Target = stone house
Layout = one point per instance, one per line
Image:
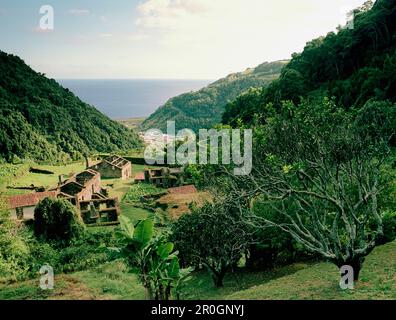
(165, 177)
(22, 206)
(113, 167)
(100, 210)
(80, 187)
(85, 192)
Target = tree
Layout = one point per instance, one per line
(158, 263)
(57, 220)
(326, 176)
(214, 235)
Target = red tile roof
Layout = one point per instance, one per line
(183, 190)
(31, 199)
(140, 176)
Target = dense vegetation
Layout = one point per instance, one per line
(214, 236)
(22, 254)
(322, 188)
(41, 120)
(203, 109)
(352, 65)
(324, 138)
(57, 220)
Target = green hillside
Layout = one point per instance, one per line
(352, 65)
(203, 108)
(296, 282)
(41, 120)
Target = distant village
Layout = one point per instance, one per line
(84, 190)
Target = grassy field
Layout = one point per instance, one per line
(178, 204)
(131, 123)
(21, 177)
(296, 282)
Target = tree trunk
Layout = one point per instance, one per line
(148, 293)
(355, 263)
(218, 278)
(357, 266)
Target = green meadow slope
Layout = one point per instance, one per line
(296, 282)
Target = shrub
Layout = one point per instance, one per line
(272, 248)
(214, 236)
(57, 220)
(155, 257)
(14, 252)
(389, 220)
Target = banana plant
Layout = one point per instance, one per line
(158, 263)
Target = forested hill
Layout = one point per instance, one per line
(41, 120)
(203, 108)
(353, 65)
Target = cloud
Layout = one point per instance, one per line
(164, 13)
(229, 35)
(79, 12)
(103, 19)
(136, 37)
(106, 35)
(228, 22)
(41, 31)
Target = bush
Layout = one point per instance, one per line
(389, 220)
(215, 236)
(22, 254)
(88, 251)
(57, 220)
(272, 248)
(14, 252)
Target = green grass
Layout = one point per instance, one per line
(320, 281)
(137, 191)
(113, 281)
(117, 187)
(9, 173)
(21, 177)
(134, 213)
(299, 281)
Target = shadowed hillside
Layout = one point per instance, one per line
(43, 121)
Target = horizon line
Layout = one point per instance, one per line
(193, 79)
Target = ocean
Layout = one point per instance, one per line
(121, 99)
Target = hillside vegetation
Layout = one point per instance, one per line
(41, 120)
(296, 282)
(352, 65)
(203, 109)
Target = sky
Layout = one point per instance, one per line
(163, 39)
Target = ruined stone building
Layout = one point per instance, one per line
(22, 206)
(113, 167)
(165, 177)
(80, 187)
(83, 190)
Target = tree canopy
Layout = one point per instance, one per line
(43, 121)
